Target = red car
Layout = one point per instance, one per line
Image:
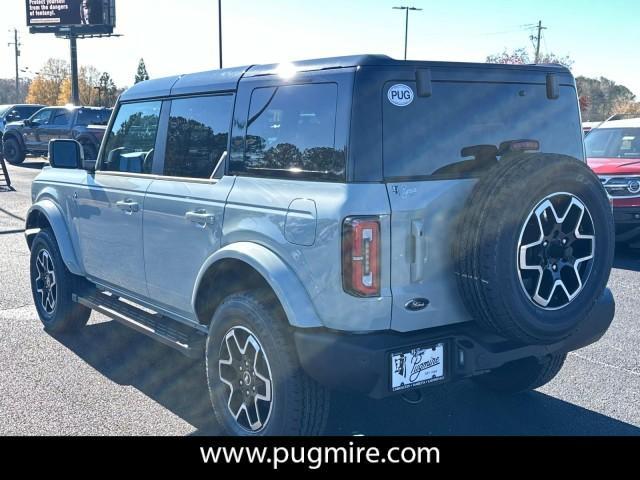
(613, 152)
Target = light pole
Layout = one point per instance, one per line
(406, 24)
(220, 30)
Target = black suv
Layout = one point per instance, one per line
(31, 137)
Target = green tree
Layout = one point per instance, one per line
(108, 92)
(141, 74)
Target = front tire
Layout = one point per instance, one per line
(523, 375)
(13, 151)
(52, 286)
(256, 384)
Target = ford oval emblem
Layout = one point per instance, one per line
(416, 304)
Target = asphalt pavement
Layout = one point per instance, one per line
(109, 380)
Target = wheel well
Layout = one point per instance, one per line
(37, 219)
(225, 278)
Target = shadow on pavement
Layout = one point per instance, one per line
(32, 164)
(179, 385)
(627, 258)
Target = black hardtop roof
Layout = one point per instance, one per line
(228, 78)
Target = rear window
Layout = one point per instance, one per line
(291, 134)
(613, 143)
(93, 117)
(463, 128)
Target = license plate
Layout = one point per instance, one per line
(417, 367)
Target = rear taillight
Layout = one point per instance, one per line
(361, 256)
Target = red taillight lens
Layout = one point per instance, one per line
(361, 256)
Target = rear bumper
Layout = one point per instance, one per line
(362, 362)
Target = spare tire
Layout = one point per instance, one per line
(534, 247)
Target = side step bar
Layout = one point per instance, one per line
(183, 338)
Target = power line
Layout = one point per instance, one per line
(406, 24)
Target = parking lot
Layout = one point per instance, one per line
(109, 380)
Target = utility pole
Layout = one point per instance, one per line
(16, 44)
(220, 30)
(537, 39)
(406, 25)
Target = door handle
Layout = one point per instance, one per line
(419, 251)
(201, 217)
(128, 206)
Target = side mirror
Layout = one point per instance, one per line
(28, 123)
(66, 154)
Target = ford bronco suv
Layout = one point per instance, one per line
(32, 136)
(349, 223)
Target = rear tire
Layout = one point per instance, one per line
(522, 375)
(256, 384)
(52, 286)
(13, 151)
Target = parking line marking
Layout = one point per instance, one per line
(603, 364)
(12, 215)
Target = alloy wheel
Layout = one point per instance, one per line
(556, 251)
(46, 285)
(244, 368)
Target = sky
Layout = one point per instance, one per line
(181, 36)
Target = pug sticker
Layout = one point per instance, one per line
(400, 95)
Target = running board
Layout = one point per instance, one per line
(183, 338)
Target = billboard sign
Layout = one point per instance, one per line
(82, 16)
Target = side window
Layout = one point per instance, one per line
(291, 134)
(197, 135)
(42, 117)
(131, 141)
(61, 118)
(14, 115)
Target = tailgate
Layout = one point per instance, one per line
(422, 232)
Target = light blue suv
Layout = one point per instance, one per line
(357, 223)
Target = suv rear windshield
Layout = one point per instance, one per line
(427, 137)
(613, 143)
(93, 117)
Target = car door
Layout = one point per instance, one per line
(111, 206)
(184, 206)
(31, 133)
(58, 127)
